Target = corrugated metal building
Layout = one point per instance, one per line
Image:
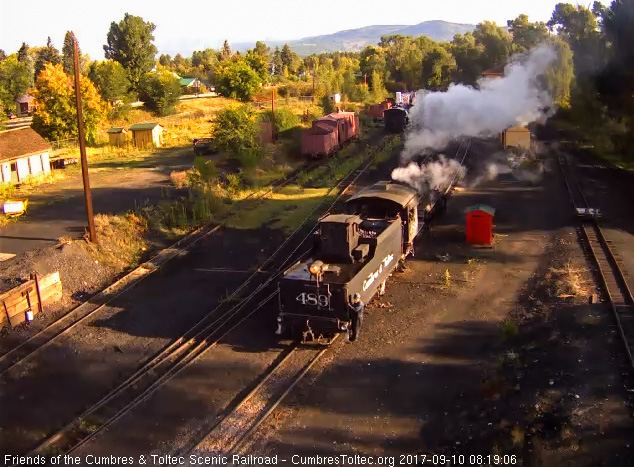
(23, 154)
(147, 134)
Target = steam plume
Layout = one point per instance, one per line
(499, 103)
(436, 175)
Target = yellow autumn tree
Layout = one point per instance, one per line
(56, 116)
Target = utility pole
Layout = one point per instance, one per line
(82, 147)
(273, 113)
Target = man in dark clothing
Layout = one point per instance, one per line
(356, 308)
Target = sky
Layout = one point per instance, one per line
(184, 27)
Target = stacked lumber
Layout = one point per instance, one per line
(29, 296)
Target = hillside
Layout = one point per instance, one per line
(357, 39)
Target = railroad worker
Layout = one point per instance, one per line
(382, 289)
(356, 308)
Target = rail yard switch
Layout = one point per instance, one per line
(480, 224)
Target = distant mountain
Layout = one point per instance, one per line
(353, 40)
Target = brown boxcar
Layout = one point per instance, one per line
(349, 125)
(319, 141)
(376, 111)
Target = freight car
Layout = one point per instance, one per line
(330, 133)
(396, 119)
(354, 252)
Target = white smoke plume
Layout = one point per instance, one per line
(497, 104)
(436, 175)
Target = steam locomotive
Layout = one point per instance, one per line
(354, 252)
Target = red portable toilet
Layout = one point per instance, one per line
(480, 224)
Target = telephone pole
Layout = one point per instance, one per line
(82, 147)
(273, 113)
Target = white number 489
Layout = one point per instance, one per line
(313, 299)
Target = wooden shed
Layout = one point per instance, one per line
(23, 154)
(147, 134)
(117, 136)
(516, 136)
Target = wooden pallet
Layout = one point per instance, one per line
(31, 295)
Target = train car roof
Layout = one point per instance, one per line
(341, 218)
(395, 192)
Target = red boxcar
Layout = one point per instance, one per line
(319, 141)
(350, 125)
(376, 111)
(329, 133)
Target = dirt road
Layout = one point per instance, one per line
(58, 210)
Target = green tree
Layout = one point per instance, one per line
(129, 42)
(225, 52)
(262, 50)
(378, 88)
(439, 68)
(3, 55)
(277, 61)
(165, 60)
(579, 27)
(372, 59)
(205, 60)
(111, 80)
(68, 61)
(526, 35)
(259, 64)
(56, 115)
(559, 76)
(14, 81)
(160, 91)
(496, 44)
(48, 54)
(236, 129)
(236, 79)
(23, 53)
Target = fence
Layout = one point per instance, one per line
(69, 143)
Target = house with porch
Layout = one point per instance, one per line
(23, 154)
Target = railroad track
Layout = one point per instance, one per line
(203, 336)
(232, 432)
(615, 290)
(65, 323)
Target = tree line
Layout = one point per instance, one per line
(590, 82)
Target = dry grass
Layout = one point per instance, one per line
(565, 282)
(120, 239)
(180, 178)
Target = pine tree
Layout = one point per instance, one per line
(23, 53)
(225, 52)
(68, 61)
(48, 54)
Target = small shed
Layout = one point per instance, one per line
(516, 136)
(147, 134)
(480, 224)
(117, 136)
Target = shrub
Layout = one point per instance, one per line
(285, 119)
(160, 91)
(236, 129)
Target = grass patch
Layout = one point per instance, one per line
(284, 210)
(121, 239)
(565, 282)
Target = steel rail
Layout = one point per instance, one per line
(68, 321)
(590, 228)
(180, 349)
